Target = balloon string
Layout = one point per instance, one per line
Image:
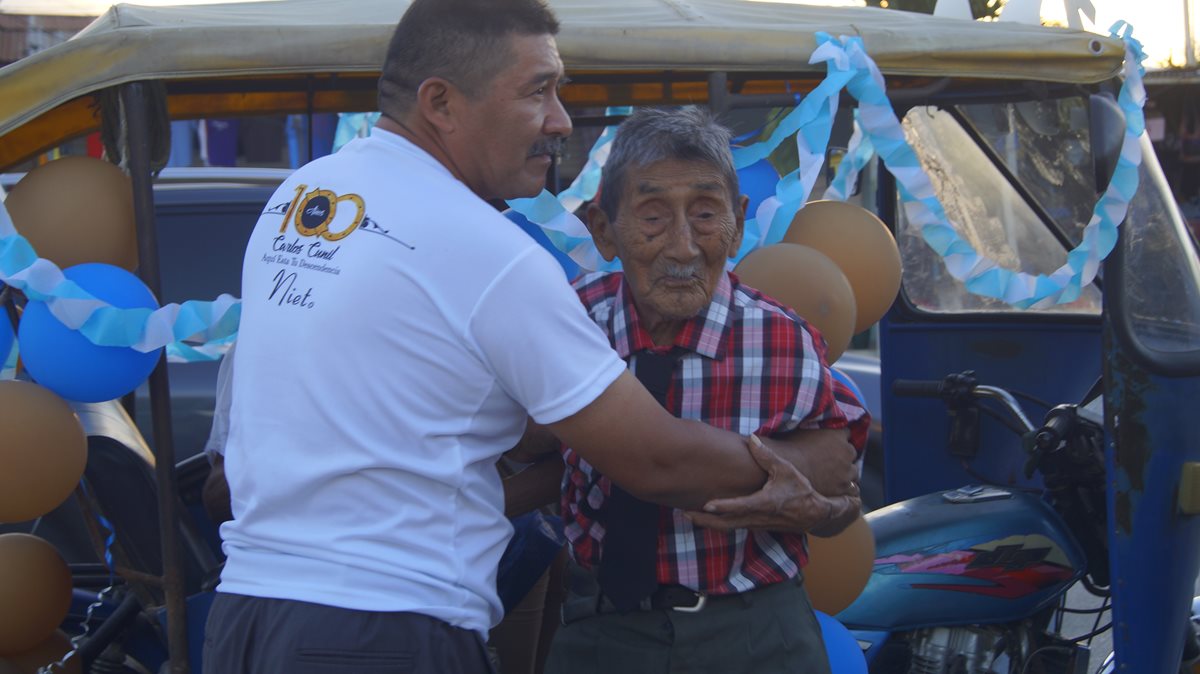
(107, 525)
(86, 625)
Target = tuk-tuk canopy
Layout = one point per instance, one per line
(315, 55)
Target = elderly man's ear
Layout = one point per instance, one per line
(739, 213)
(602, 232)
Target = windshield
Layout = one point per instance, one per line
(987, 211)
(1046, 145)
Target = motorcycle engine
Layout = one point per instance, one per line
(954, 650)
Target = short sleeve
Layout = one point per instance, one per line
(219, 435)
(533, 332)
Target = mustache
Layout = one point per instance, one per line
(552, 146)
(682, 272)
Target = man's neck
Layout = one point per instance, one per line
(662, 331)
(427, 139)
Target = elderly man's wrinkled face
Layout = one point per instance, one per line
(676, 226)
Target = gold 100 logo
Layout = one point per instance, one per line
(315, 213)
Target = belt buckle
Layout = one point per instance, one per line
(701, 600)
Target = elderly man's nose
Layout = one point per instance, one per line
(682, 245)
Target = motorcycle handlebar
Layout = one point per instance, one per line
(940, 389)
(916, 388)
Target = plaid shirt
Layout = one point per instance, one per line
(748, 365)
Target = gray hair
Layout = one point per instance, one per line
(462, 41)
(650, 135)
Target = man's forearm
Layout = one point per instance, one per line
(628, 436)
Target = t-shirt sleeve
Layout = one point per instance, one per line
(531, 329)
(219, 434)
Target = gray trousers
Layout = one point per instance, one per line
(253, 635)
(769, 630)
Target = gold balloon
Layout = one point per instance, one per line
(50, 650)
(839, 567)
(861, 245)
(807, 282)
(43, 453)
(35, 592)
(75, 210)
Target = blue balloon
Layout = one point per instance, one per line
(845, 379)
(757, 181)
(842, 649)
(568, 265)
(66, 362)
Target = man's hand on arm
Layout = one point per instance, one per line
(787, 502)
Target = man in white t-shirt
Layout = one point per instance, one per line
(396, 330)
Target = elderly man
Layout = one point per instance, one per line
(396, 331)
(724, 590)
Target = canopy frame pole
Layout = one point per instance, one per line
(134, 101)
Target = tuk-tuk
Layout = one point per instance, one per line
(1018, 130)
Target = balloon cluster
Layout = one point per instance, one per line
(837, 267)
(44, 453)
(77, 213)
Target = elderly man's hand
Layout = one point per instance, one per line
(824, 456)
(787, 502)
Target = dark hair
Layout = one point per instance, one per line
(463, 41)
(651, 135)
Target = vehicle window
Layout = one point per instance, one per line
(1162, 273)
(202, 245)
(1046, 145)
(987, 213)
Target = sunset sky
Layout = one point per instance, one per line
(1158, 24)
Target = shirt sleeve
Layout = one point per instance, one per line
(219, 434)
(533, 332)
(821, 400)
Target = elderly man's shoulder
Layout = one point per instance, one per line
(597, 287)
(750, 304)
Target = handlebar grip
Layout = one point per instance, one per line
(917, 388)
(1058, 424)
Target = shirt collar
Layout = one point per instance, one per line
(705, 334)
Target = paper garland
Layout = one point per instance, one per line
(213, 324)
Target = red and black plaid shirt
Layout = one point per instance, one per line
(749, 365)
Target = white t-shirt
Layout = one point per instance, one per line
(395, 330)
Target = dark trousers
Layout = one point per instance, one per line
(253, 635)
(772, 629)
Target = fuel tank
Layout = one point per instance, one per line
(975, 555)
